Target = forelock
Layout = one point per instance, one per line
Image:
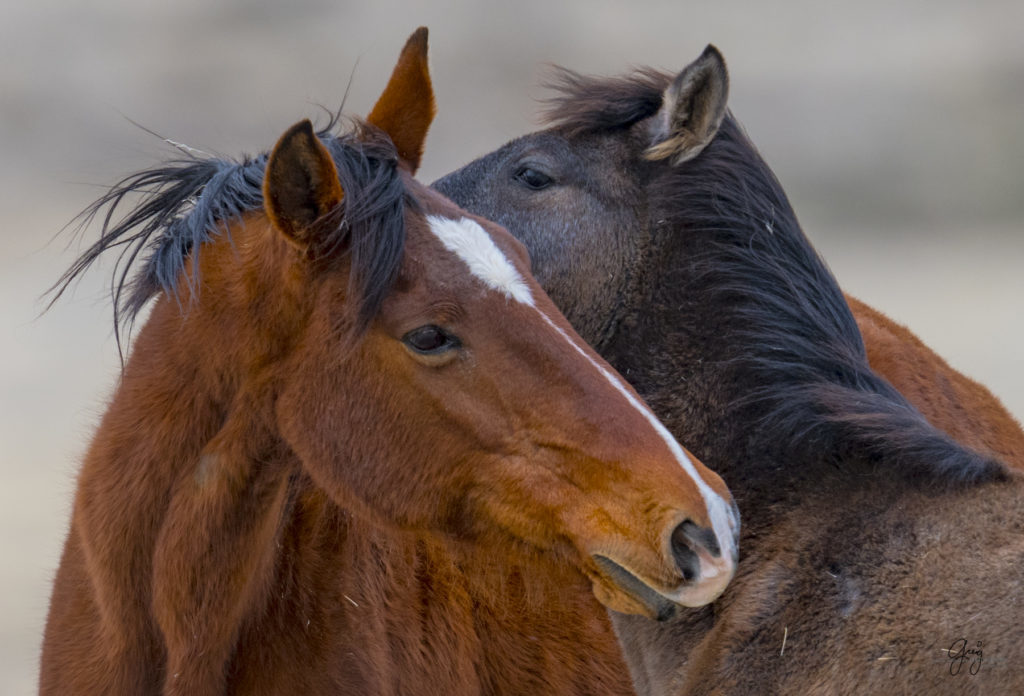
(585, 104)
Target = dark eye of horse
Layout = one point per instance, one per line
(430, 340)
(533, 178)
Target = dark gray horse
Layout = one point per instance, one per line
(879, 555)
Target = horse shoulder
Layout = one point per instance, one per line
(913, 592)
(868, 600)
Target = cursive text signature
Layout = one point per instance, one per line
(959, 653)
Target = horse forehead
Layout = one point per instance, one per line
(476, 249)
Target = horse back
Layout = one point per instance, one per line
(962, 408)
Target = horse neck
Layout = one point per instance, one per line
(731, 281)
(749, 350)
(196, 353)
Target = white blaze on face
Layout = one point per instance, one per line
(470, 242)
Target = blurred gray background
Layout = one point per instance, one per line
(897, 131)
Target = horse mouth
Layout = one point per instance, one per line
(661, 607)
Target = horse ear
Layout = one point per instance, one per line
(406, 108)
(692, 109)
(301, 184)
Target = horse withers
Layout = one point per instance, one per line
(349, 391)
(882, 536)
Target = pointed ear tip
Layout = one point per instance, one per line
(303, 127)
(711, 51)
(418, 40)
(300, 141)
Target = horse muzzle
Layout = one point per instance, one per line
(698, 571)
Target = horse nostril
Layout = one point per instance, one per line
(685, 557)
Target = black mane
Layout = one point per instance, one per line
(781, 323)
(184, 203)
(586, 104)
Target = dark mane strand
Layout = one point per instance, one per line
(173, 209)
(371, 220)
(587, 104)
(789, 327)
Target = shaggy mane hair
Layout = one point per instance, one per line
(171, 210)
(787, 325)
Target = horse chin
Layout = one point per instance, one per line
(704, 594)
(622, 591)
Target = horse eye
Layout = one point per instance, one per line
(430, 340)
(533, 178)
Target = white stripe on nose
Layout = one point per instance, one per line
(470, 242)
(719, 511)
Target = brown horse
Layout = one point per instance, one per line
(669, 244)
(351, 431)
